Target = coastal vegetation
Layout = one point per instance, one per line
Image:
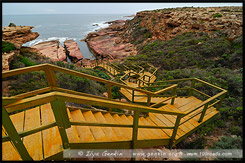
(36, 80)
(7, 47)
(212, 58)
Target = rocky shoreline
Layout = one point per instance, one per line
(107, 42)
(122, 38)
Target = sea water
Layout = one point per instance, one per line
(63, 27)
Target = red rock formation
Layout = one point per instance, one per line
(18, 35)
(108, 43)
(51, 49)
(165, 24)
(7, 58)
(73, 50)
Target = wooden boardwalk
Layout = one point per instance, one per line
(45, 126)
(46, 143)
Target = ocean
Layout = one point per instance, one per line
(63, 27)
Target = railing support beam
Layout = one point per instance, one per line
(109, 95)
(192, 86)
(203, 112)
(135, 132)
(62, 120)
(13, 134)
(174, 131)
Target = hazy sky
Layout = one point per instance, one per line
(95, 8)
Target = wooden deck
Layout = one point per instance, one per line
(46, 143)
(44, 131)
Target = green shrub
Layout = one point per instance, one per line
(26, 61)
(12, 25)
(7, 46)
(233, 142)
(102, 74)
(217, 15)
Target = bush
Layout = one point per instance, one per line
(12, 25)
(233, 142)
(217, 15)
(7, 46)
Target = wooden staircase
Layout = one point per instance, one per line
(42, 145)
(44, 126)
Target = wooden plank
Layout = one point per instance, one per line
(107, 130)
(205, 120)
(190, 105)
(8, 150)
(158, 122)
(117, 130)
(158, 132)
(97, 132)
(162, 133)
(52, 142)
(18, 122)
(171, 120)
(141, 134)
(72, 131)
(33, 142)
(84, 132)
(127, 131)
(148, 132)
(189, 124)
(181, 101)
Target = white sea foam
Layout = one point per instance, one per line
(37, 41)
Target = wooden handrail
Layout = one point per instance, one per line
(82, 99)
(204, 102)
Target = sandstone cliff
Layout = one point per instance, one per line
(18, 36)
(165, 24)
(120, 40)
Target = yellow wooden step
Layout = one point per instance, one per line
(117, 130)
(147, 131)
(33, 142)
(52, 143)
(158, 132)
(72, 131)
(8, 150)
(125, 130)
(96, 131)
(157, 121)
(141, 134)
(84, 132)
(107, 130)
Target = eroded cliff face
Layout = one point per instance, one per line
(120, 39)
(18, 35)
(165, 24)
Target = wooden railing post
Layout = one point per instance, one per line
(173, 94)
(135, 132)
(50, 76)
(62, 120)
(203, 112)
(132, 96)
(148, 100)
(221, 100)
(109, 95)
(176, 125)
(13, 134)
(192, 86)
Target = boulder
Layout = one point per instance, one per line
(73, 50)
(51, 49)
